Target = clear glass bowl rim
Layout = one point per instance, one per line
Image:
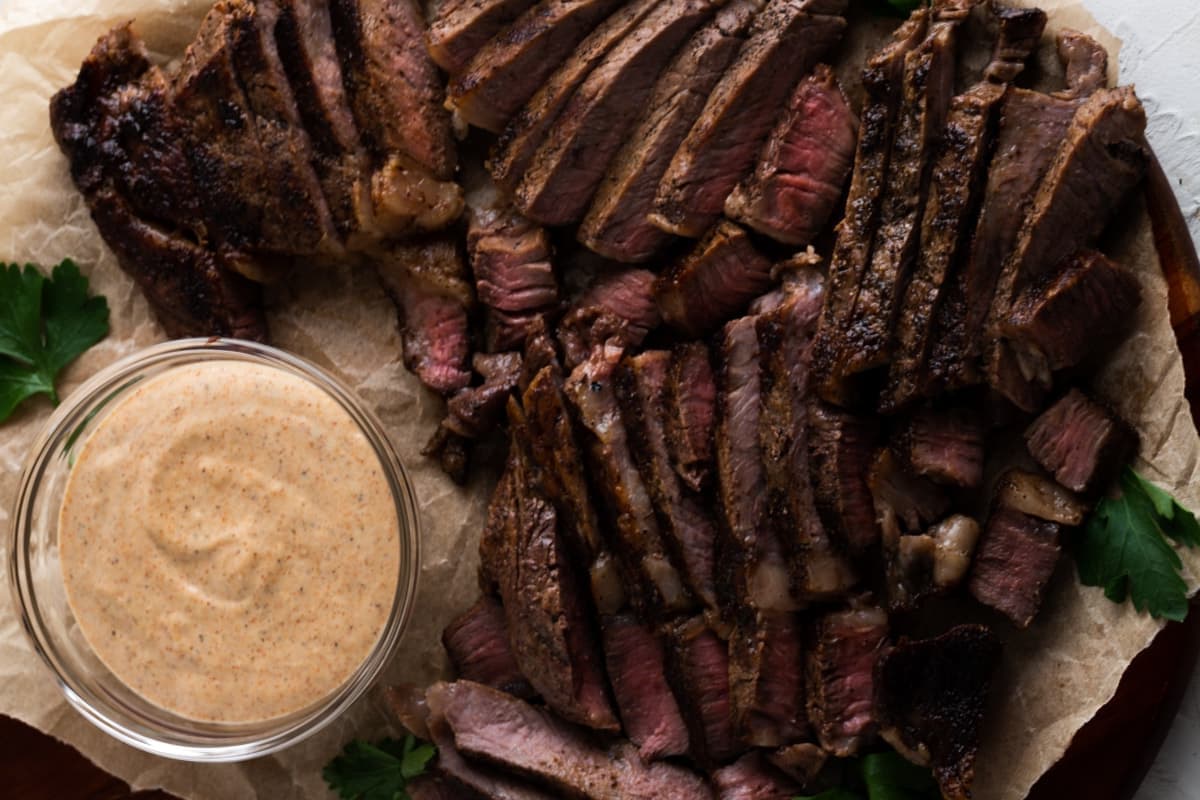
(274, 735)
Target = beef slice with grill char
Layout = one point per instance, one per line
(1080, 442)
(506, 72)
(925, 101)
(955, 192)
(931, 699)
(1016, 557)
(512, 734)
(712, 283)
(882, 79)
(617, 306)
(394, 88)
(803, 167)
(477, 643)
(841, 446)
(475, 411)
(650, 715)
(752, 777)
(1066, 316)
(946, 446)
(526, 132)
(462, 27)
(688, 527)
(698, 668)
(570, 163)
(616, 225)
(591, 392)
(787, 39)
(784, 335)
(840, 668)
(691, 413)
(766, 678)
(1102, 158)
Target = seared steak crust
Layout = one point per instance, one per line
(462, 27)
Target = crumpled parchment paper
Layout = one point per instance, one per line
(1054, 678)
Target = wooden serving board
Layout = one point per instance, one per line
(1100, 765)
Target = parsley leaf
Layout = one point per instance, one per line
(883, 776)
(1124, 548)
(379, 771)
(44, 325)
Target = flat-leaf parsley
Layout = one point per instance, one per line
(379, 771)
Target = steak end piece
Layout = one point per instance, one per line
(931, 696)
(945, 446)
(840, 668)
(1081, 443)
(1015, 560)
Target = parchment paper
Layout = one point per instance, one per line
(1054, 678)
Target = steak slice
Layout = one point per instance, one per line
(787, 39)
(462, 27)
(477, 643)
(1066, 316)
(931, 699)
(955, 193)
(944, 446)
(698, 668)
(394, 88)
(784, 337)
(616, 225)
(505, 72)
(691, 413)
(752, 777)
(570, 163)
(512, 734)
(617, 305)
(1083, 444)
(904, 502)
(840, 668)
(766, 678)
(1015, 560)
(1102, 158)
(804, 164)
(882, 80)
(636, 665)
(591, 392)
(841, 447)
(474, 412)
(715, 281)
(688, 528)
(925, 101)
(525, 133)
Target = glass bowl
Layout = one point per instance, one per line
(40, 596)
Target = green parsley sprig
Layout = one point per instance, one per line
(1124, 548)
(379, 771)
(45, 324)
(882, 776)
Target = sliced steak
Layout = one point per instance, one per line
(691, 413)
(1083, 444)
(882, 80)
(944, 446)
(1102, 158)
(474, 412)
(427, 281)
(616, 225)
(766, 678)
(698, 668)
(752, 777)
(462, 27)
(636, 665)
(1086, 62)
(802, 762)
(927, 90)
(787, 39)
(1069, 314)
(841, 447)
(617, 306)
(688, 527)
(394, 88)
(803, 167)
(714, 282)
(784, 337)
(563, 176)
(526, 132)
(1015, 560)
(405, 199)
(931, 698)
(904, 502)
(955, 193)
(840, 667)
(477, 643)
(502, 730)
(514, 275)
(591, 392)
(1039, 497)
(506, 71)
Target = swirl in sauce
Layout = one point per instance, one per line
(229, 542)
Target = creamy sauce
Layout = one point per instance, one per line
(229, 542)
